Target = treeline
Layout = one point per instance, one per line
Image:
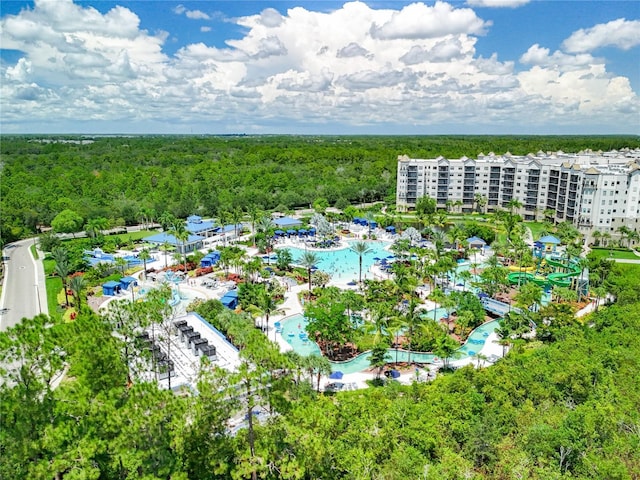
(563, 409)
(129, 179)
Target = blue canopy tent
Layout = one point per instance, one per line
(279, 232)
(230, 299)
(391, 229)
(372, 224)
(311, 231)
(125, 282)
(291, 232)
(302, 231)
(110, 288)
(210, 259)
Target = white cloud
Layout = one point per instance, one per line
(620, 33)
(192, 14)
(353, 66)
(537, 55)
(497, 3)
(197, 15)
(352, 50)
(205, 29)
(421, 21)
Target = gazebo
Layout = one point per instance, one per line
(193, 242)
(550, 242)
(476, 242)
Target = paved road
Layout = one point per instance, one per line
(24, 292)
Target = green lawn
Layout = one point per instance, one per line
(49, 265)
(34, 252)
(621, 254)
(54, 285)
(122, 237)
(536, 229)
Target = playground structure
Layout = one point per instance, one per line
(557, 279)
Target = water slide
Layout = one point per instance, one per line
(516, 278)
(559, 279)
(562, 279)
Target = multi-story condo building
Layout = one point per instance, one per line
(593, 190)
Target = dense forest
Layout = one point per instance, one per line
(126, 179)
(568, 407)
(75, 405)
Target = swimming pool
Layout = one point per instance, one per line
(343, 264)
(293, 326)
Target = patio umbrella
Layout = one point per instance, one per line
(394, 373)
(337, 375)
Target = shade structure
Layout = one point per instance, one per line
(337, 375)
(279, 232)
(126, 281)
(550, 239)
(110, 288)
(476, 242)
(230, 299)
(394, 373)
(302, 231)
(391, 229)
(291, 232)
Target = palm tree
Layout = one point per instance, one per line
(597, 235)
(320, 365)
(77, 284)
(255, 214)
(180, 232)
(95, 226)
(62, 268)
(465, 276)
(121, 263)
(514, 205)
(308, 261)
(360, 249)
(144, 256)
(236, 217)
(480, 201)
(624, 232)
(166, 248)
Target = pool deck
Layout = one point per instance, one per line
(292, 306)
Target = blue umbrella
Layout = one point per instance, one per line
(337, 375)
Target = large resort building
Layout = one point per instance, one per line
(593, 190)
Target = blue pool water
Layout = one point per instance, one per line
(296, 324)
(343, 264)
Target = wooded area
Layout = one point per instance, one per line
(74, 406)
(128, 180)
(565, 408)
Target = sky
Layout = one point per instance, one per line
(320, 67)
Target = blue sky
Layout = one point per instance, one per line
(323, 67)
